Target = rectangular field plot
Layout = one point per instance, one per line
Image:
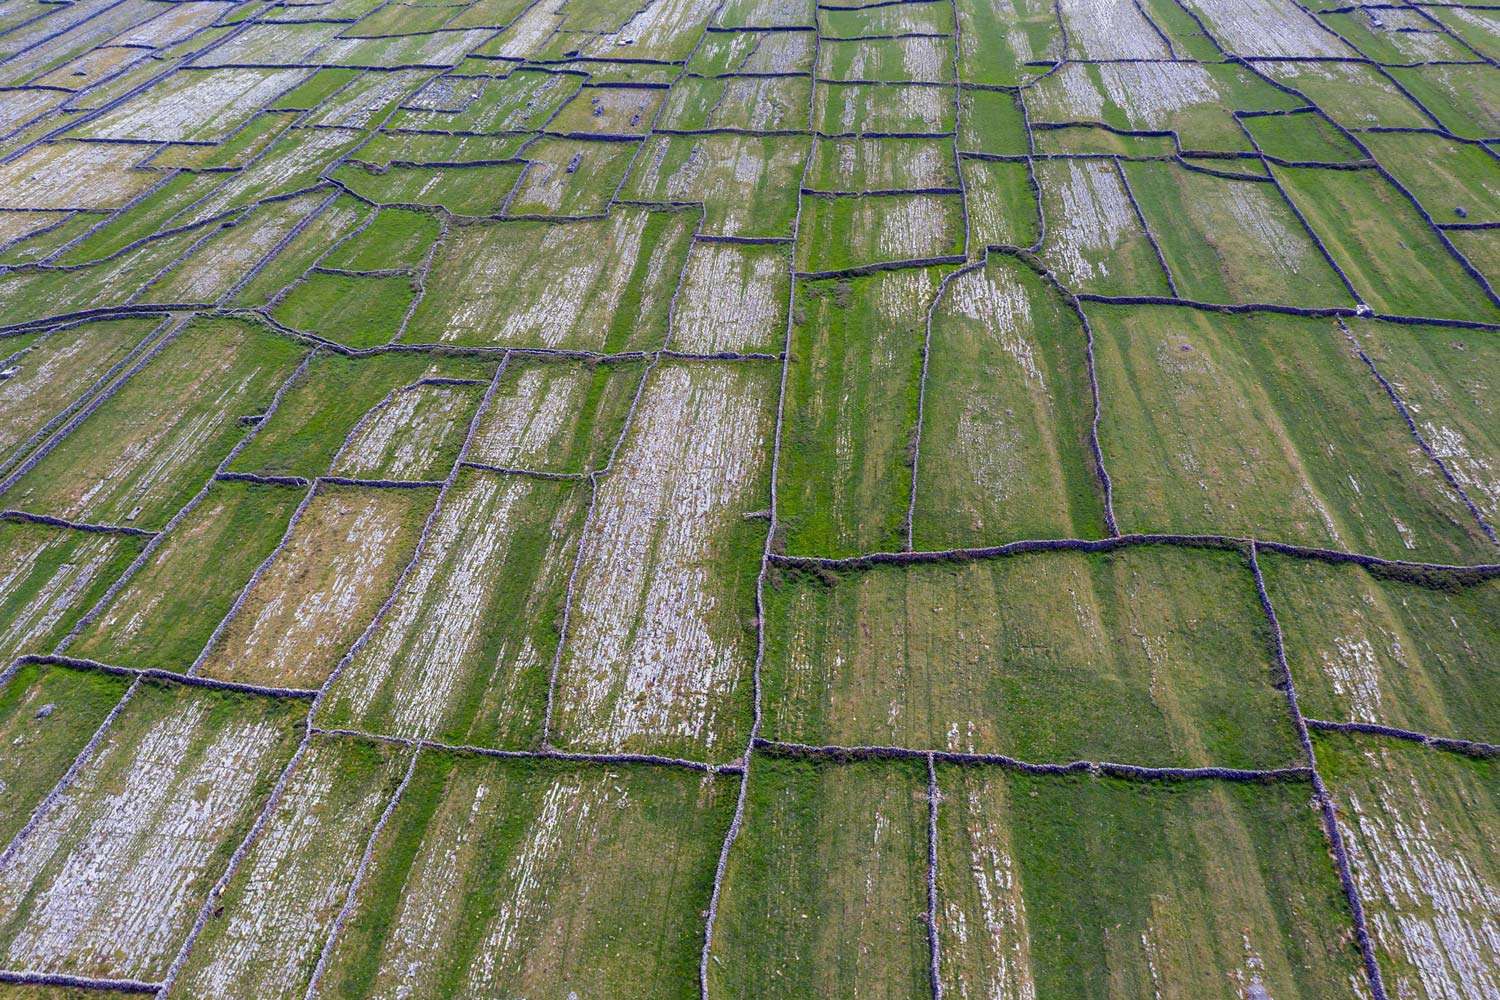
(536, 879)
(1268, 426)
(1001, 204)
(555, 417)
(733, 298)
(1454, 181)
(336, 565)
(851, 405)
(268, 929)
(825, 891)
(154, 443)
(858, 109)
(87, 175)
(1364, 648)
(600, 285)
(998, 38)
(660, 643)
(165, 614)
(328, 404)
(111, 878)
(1419, 828)
(1390, 254)
(751, 104)
(1152, 656)
(465, 652)
(1088, 886)
(47, 715)
(1232, 241)
(466, 190)
(1095, 240)
(1006, 417)
(917, 59)
(882, 165)
(49, 577)
(747, 184)
(570, 178)
(50, 376)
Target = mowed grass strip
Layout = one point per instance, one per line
(339, 563)
(1419, 827)
(164, 615)
(850, 408)
(465, 653)
(47, 715)
(825, 892)
(536, 878)
(1007, 414)
(49, 577)
(1152, 656)
(1415, 655)
(267, 931)
(661, 635)
(112, 877)
(1266, 426)
(139, 457)
(1086, 886)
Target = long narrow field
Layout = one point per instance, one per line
(707, 499)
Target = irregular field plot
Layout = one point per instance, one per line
(268, 929)
(47, 715)
(555, 417)
(1086, 886)
(465, 652)
(1444, 376)
(1006, 416)
(1232, 241)
(747, 184)
(57, 372)
(166, 612)
(336, 566)
(49, 577)
(1095, 240)
(1264, 426)
(1390, 254)
(321, 409)
(414, 434)
(1152, 656)
(1364, 648)
(659, 645)
(825, 890)
(112, 877)
(539, 878)
(733, 298)
(1418, 825)
(152, 445)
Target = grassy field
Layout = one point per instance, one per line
(1006, 416)
(1153, 656)
(164, 616)
(1368, 649)
(1272, 427)
(487, 877)
(441, 665)
(824, 893)
(1417, 826)
(49, 577)
(850, 407)
(1094, 887)
(112, 876)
